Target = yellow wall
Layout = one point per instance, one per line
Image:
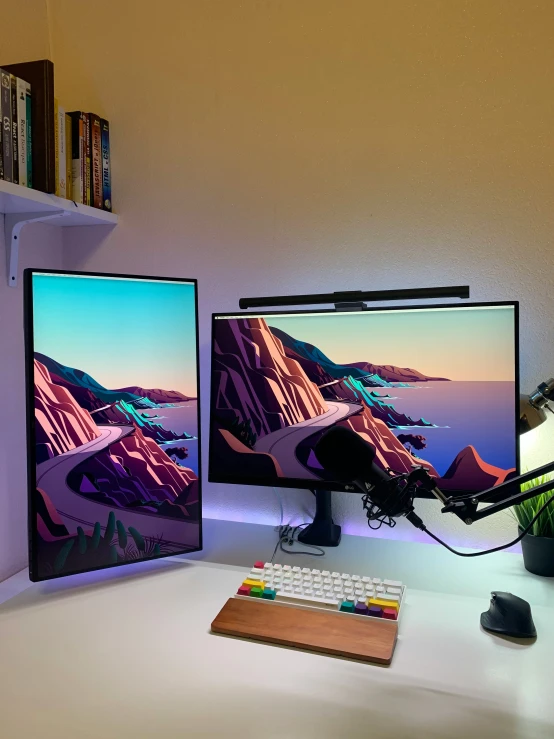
(282, 146)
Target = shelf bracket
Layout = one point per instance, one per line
(13, 223)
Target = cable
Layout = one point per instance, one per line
(289, 535)
(487, 551)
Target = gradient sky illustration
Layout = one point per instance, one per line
(456, 343)
(120, 331)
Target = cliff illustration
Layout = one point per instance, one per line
(373, 375)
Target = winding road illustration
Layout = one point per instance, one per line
(282, 443)
(75, 510)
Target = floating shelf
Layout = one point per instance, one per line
(22, 205)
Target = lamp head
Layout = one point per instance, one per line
(533, 407)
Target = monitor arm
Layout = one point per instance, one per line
(503, 496)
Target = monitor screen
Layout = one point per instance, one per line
(433, 386)
(112, 416)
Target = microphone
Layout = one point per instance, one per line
(349, 458)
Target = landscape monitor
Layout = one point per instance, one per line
(436, 386)
(112, 419)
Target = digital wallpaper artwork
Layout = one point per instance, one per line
(430, 387)
(115, 421)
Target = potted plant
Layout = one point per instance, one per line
(537, 546)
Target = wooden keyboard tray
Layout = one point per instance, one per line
(367, 639)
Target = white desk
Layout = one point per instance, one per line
(127, 654)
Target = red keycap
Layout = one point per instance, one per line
(243, 590)
(390, 613)
(259, 565)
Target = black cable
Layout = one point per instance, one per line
(288, 534)
(495, 549)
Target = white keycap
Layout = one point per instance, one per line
(379, 589)
(366, 579)
(394, 591)
(390, 596)
(268, 566)
(316, 572)
(298, 576)
(318, 578)
(327, 588)
(277, 567)
(287, 589)
(337, 589)
(306, 570)
(325, 573)
(317, 601)
(337, 581)
(296, 569)
(256, 571)
(327, 581)
(345, 576)
(392, 583)
(309, 591)
(318, 593)
(276, 587)
(360, 600)
(359, 591)
(298, 591)
(287, 568)
(355, 578)
(350, 599)
(335, 574)
(376, 581)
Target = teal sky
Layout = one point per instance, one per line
(120, 331)
(457, 343)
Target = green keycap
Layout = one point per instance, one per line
(347, 606)
(256, 593)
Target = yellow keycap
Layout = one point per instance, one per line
(382, 603)
(254, 583)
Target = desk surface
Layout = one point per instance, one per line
(128, 653)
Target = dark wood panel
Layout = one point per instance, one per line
(370, 640)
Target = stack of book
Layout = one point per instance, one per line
(84, 139)
(16, 130)
(67, 154)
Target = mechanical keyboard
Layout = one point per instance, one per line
(357, 595)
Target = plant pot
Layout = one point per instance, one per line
(538, 554)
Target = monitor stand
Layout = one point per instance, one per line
(323, 531)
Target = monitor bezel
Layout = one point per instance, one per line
(28, 324)
(342, 487)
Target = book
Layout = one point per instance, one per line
(86, 119)
(6, 105)
(15, 142)
(22, 130)
(29, 136)
(77, 155)
(95, 161)
(61, 189)
(106, 166)
(40, 75)
(56, 149)
(68, 158)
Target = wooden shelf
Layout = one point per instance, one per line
(22, 205)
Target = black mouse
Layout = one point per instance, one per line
(509, 615)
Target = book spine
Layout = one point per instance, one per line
(68, 157)
(83, 156)
(88, 192)
(7, 148)
(22, 130)
(29, 136)
(61, 185)
(77, 156)
(95, 161)
(15, 127)
(56, 150)
(106, 171)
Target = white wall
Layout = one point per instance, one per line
(300, 146)
(41, 246)
(307, 146)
